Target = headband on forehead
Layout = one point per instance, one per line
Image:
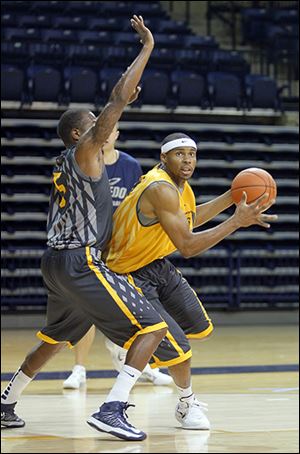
(183, 142)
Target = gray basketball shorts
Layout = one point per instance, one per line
(170, 294)
(83, 292)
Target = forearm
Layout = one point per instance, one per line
(207, 211)
(130, 79)
(197, 243)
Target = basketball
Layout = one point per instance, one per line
(255, 182)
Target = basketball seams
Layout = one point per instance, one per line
(265, 184)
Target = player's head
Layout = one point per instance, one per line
(179, 155)
(73, 123)
(109, 145)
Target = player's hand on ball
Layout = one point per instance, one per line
(246, 215)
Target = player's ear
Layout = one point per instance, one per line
(117, 134)
(163, 157)
(75, 133)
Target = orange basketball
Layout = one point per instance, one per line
(255, 182)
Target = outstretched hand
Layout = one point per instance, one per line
(137, 22)
(246, 215)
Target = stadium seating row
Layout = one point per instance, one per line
(181, 87)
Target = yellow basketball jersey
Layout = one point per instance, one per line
(133, 245)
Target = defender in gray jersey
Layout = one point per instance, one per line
(82, 291)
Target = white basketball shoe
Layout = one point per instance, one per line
(191, 415)
(76, 379)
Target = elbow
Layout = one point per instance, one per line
(186, 252)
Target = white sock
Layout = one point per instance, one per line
(124, 383)
(15, 388)
(186, 394)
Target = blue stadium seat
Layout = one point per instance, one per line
(12, 83)
(189, 88)
(15, 53)
(85, 55)
(45, 83)
(200, 42)
(224, 90)
(168, 40)
(113, 53)
(69, 23)
(8, 20)
(49, 54)
(22, 34)
(81, 85)
(104, 24)
(125, 39)
(155, 88)
(95, 37)
(173, 27)
(261, 92)
(230, 62)
(162, 58)
(108, 79)
(59, 36)
(35, 21)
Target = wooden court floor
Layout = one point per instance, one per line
(250, 411)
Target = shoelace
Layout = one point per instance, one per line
(127, 405)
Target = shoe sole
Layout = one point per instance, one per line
(11, 426)
(101, 427)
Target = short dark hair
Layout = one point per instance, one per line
(174, 136)
(69, 120)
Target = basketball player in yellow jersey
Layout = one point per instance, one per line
(155, 219)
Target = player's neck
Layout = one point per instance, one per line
(111, 156)
(179, 182)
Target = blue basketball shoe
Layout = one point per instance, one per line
(112, 418)
(9, 419)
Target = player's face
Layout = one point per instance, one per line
(110, 143)
(180, 162)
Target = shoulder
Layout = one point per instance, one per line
(162, 192)
(125, 157)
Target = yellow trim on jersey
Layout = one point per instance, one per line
(60, 187)
(204, 333)
(49, 340)
(148, 329)
(171, 362)
(110, 290)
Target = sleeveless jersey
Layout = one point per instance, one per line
(133, 245)
(80, 208)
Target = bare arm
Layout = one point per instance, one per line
(164, 202)
(207, 211)
(88, 150)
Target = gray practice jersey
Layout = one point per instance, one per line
(80, 212)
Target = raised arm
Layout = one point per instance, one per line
(164, 203)
(88, 149)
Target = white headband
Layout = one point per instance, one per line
(183, 142)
